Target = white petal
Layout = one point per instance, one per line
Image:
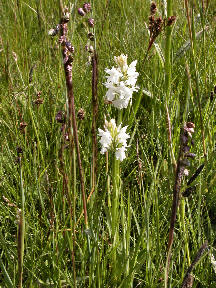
(120, 154)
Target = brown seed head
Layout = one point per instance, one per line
(91, 36)
(23, 125)
(151, 19)
(60, 117)
(19, 150)
(153, 8)
(81, 114)
(159, 20)
(190, 125)
(171, 20)
(38, 101)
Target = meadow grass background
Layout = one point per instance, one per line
(146, 194)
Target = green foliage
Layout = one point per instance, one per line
(51, 214)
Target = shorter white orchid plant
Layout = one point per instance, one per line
(121, 82)
(114, 138)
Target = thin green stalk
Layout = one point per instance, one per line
(193, 52)
(115, 201)
(168, 74)
(21, 230)
(21, 77)
(94, 120)
(120, 116)
(116, 182)
(115, 208)
(135, 108)
(108, 179)
(115, 196)
(74, 184)
(37, 136)
(7, 278)
(73, 170)
(167, 65)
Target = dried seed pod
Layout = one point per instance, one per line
(81, 12)
(159, 20)
(38, 101)
(151, 20)
(91, 49)
(171, 20)
(87, 7)
(66, 17)
(23, 125)
(153, 8)
(189, 128)
(69, 46)
(158, 26)
(60, 117)
(19, 150)
(91, 22)
(62, 40)
(81, 114)
(190, 125)
(70, 59)
(91, 36)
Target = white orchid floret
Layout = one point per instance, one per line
(121, 61)
(121, 82)
(120, 96)
(132, 74)
(114, 138)
(114, 76)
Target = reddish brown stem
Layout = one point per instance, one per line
(198, 256)
(182, 163)
(67, 60)
(175, 204)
